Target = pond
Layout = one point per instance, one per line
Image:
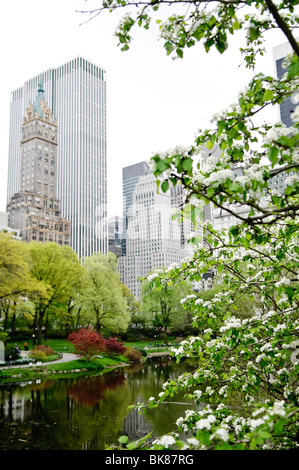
(91, 412)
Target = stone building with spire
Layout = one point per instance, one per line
(35, 209)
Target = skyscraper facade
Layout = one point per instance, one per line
(35, 209)
(76, 94)
(153, 239)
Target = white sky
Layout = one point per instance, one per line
(153, 102)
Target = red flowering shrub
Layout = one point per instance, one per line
(87, 343)
(114, 347)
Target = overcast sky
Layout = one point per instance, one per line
(153, 102)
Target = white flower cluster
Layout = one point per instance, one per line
(284, 281)
(295, 114)
(153, 276)
(232, 322)
(191, 296)
(165, 441)
(222, 433)
(290, 180)
(275, 133)
(205, 423)
(220, 176)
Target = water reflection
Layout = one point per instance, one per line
(87, 412)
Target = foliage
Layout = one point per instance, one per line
(59, 269)
(114, 347)
(38, 355)
(162, 306)
(104, 295)
(44, 349)
(16, 282)
(133, 354)
(250, 364)
(87, 343)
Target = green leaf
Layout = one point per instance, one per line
(293, 70)
(268, 95)
(209, 145)
(236, 25)
(165, 186)
(179, 52)
(187, 164)
(253, 33)
(123, 440)
(273, 155)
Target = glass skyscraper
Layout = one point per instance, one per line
(76, 93)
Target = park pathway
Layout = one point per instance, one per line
(66, 357)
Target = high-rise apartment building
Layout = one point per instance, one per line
(76, 94)
(35, 209)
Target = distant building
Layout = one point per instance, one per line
(287, 106)
(130, 177)
(5, 228)
(115, 235)
(76, 94)
(35, 209)
(153, 239)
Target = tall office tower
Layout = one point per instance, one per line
(153, 239)
(35, 209)
(76, 94)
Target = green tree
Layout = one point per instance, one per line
(104, 295)
(254, 359)
(59, 269)
(162, 307)
(16, 281)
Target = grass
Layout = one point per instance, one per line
(64, 346)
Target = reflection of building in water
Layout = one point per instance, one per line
(15, 408)
(135, 425)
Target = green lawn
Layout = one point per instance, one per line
(64, 346)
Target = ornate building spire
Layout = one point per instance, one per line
(39, 100)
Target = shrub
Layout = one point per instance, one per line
(133, 355)
(44, 349)
(87, 343)
(141, 350)
(114, 347)
(38, 355)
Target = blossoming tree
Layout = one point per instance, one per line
(251, 362)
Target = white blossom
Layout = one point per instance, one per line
(222, 433)
(295, 114)
(193, 441)
(165, 441)
(203, 424)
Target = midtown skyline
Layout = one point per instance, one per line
(147, 92)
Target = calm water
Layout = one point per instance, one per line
(88, 413)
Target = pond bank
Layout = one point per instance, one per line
(32, 371)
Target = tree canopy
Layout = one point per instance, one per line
(105, 295)
(249, 362)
